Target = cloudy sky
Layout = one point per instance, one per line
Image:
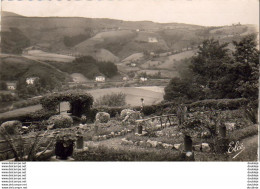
(200, 12)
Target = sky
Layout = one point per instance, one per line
(199, 12)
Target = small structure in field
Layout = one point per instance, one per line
(11, 85)
(31, 80)
(100, 78)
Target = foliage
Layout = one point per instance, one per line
(11, 127)
(244, 133)
(14, 41)
(102, 117)
(216, 73)
(80, 102)
(219, 104)
(89, 67)
(60, 121)
(8, 97)
(111, 100)
(3, 85)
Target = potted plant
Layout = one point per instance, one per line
(64, 145)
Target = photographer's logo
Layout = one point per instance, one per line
(235, 147)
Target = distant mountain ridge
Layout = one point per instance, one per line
(103, 38)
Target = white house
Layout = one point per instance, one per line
(100, 78)
(125, 78)
(133, 64)
(143, 78)
(11, 85)
(152, 40)
(31, 80)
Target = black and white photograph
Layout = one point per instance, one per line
(139, 81)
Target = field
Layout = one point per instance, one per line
(41, 55)
(170, 61)
(151, 95)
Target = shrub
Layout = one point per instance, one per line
(102, 117)
(112, 100)
(11, 127)
(244, 133)
(80, 102)
(61, 121)
(219, 104)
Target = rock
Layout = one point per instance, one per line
(197, 147)
(167, 146)
(126, 142)
(112, 134)
(129, 131)
(159, 133)
(119, 133)
(177, 146)
(153, 143)
(104, 137)
(102, 117)
(205, 147)
(136, 143)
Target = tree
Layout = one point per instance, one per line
(246, 66)
(209, 66)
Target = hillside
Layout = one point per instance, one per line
(17, 68)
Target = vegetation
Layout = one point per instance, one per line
(215, 74)
(60, 121)
(80, 102)
(111, 100)
(89, 67)
(14, 41)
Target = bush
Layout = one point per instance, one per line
(11, 127)
(102, 117)
(219, 104)
(111, 100)
(244, 133)
(61, 121)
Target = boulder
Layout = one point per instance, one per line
(11, 127)
(197, 147)
(126, 142)
(153, 143)
(177, 146)
(205, 147)
(102, 117)
(167, 146)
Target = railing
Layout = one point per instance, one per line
(157, 122)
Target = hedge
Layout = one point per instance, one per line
(219, 104)
(29, 117)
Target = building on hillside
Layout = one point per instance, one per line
(31, 80)
(100, 78)
(143, 79)
(152, 40)
(133, 64)
(11, 85)
(125, 78)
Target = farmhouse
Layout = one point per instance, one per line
(125, 78)
(133, 64)
(100, 78)
(143, 79)
(152, 40)
(31, 80)
(11, 85)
